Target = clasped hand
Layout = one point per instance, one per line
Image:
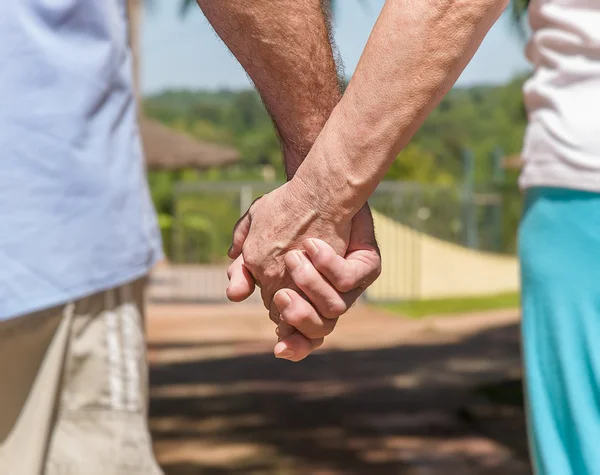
(310, 266)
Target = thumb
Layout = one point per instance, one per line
(359, 269)
(362, 236)
(241, 283)
(362, 264)
(240, 233)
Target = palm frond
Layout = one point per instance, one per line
(518, 13)
(185, 7)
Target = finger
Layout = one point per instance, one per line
(363, 231)
(240, 233)
(358, 270)
(301, 315)
(272, 284)
(296, 347)
(319, 292)
(274, 315)
(241, 283)
(283, 329)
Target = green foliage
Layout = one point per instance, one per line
(480, 118)
(165, 223)
(232, 118)
(202, 227)
(197, 240)
(425, 308)
(161, 189)
(418, 165)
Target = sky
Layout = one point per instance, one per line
(186, 53)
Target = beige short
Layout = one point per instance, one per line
(73, 389)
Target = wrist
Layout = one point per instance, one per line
(343, 168)
(299, 141)
(296, 151)
(308, 193)
(347, 161)
(292, 159)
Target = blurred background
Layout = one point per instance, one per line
(423, 376)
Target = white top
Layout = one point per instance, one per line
(562, 143)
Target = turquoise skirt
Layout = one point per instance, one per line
(559, 247)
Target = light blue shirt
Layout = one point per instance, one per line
(75, 213)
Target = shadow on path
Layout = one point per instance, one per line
(436, 408)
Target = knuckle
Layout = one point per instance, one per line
(375, 266)
(316, 343)
(252, 261)
(371, 276)
(377, 271)
(297, 317)
(271, 273)
(345, 284)
(327, 329)
(315, 333)
(301, 277)
(324, 260)
(335, 308)
(319, 332)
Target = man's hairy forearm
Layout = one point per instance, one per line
(285, 48)
(415, 54)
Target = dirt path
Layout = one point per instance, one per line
(384, 396)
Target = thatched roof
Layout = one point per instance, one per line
(168, 149)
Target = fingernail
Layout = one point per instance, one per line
(293, 260)
(311, 247)
(285, 354)
(282, 300)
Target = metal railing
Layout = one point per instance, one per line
(483, 218)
